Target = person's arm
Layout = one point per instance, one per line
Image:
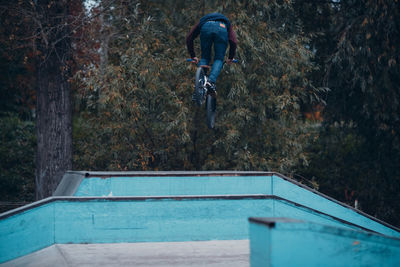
(232, 43)
(194, 32)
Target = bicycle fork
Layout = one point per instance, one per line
(204, 85)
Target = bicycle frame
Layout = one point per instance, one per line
(201, 93)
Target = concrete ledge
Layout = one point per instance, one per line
(168, 173)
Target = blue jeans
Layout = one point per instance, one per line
(212, 32)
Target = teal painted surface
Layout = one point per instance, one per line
(26, 232)
(167, 220)
(157, 220)
(121, 220)
(175, 186)
(283, 208)
(114, 221)
(307, 198)
(260, 245)
(310, 244)
(225, 185)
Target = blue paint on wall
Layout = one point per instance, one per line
(225, 185)
(310, 199)
(291, 243)
(107, 220)
(175, 186)
(26, 232)
(151, 221)
(120, 220)
(260, 245)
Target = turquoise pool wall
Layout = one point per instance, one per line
(116, 220)
(104, 211)
(226, 185)
(295, 193)
(291, 243)
(26, 232)
(175, 186)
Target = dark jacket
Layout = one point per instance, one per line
(195, 31)
(214, 17)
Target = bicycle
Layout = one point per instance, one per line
(202, 94)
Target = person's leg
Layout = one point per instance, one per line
(206, 41)
(205, 44)
(220, 45)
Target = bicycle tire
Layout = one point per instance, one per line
(211, 104)
(199, 90)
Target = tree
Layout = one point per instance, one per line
(359, 141)
(17, 105)
(53, 109)
(141, 106)
(40, 43)
(16, 64)
(17, 164)
(364, 76)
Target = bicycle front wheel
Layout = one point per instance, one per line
(199, 82)
(211, 105)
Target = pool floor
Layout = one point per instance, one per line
(229, 253)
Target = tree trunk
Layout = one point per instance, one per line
(105, 36)
(54, 111)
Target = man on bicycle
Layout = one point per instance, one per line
(215, 29)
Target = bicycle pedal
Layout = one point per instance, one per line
(213, 93)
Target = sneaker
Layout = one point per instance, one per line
(211, 87)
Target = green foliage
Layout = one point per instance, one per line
(351, 171)
(17, 162)
(16, 61)
(133, 99)
(17, 99)
(367, 91)
(137, 113)
(359, 145)
(364, 77)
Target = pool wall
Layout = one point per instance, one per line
(288, 242)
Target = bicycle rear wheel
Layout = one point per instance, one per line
(199, 82)
(211, 104)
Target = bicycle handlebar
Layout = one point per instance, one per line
(233, 61)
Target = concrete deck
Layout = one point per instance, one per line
(229, 253)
